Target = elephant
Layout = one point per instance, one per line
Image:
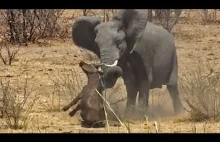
(131, 47)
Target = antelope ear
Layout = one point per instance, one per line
(83, 34)
(87, 68)
(133, 22)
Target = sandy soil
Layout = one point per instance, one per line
(57, 59)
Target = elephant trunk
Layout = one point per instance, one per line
(110, 69)
(111, 75)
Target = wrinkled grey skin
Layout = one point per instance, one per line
(145, 52)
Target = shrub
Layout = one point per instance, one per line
(200, 89)
(8, 52)
(167, 18)
(29, 25)
(17, 101)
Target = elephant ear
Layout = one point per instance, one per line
(134, 22)
(83, 34)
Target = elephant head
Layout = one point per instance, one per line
(111, 40)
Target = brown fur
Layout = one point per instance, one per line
(91, 104)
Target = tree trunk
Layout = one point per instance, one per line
(24, 27)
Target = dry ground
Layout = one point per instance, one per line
(57, 57)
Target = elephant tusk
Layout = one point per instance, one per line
(100, 69)
(114, 64)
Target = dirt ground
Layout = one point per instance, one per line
(55, 58)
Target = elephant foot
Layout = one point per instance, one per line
(142, 114)
(143, 109)
(130, 112)
(178, 108)
(178, 111)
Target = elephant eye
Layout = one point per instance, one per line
(118, 42)
(121, 48)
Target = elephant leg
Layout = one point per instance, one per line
(131, 97)
(172, 87)
(131, 89)
(143, 96)
(65, 108)
(174, 93)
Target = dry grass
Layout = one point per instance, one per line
(66, 87)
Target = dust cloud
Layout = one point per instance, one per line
(160, 104)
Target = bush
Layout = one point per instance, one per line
(105, 14)
(29, 25)
(8, 52)
(17, 101)
(209, 15)
(167, 18)
(201, 92)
